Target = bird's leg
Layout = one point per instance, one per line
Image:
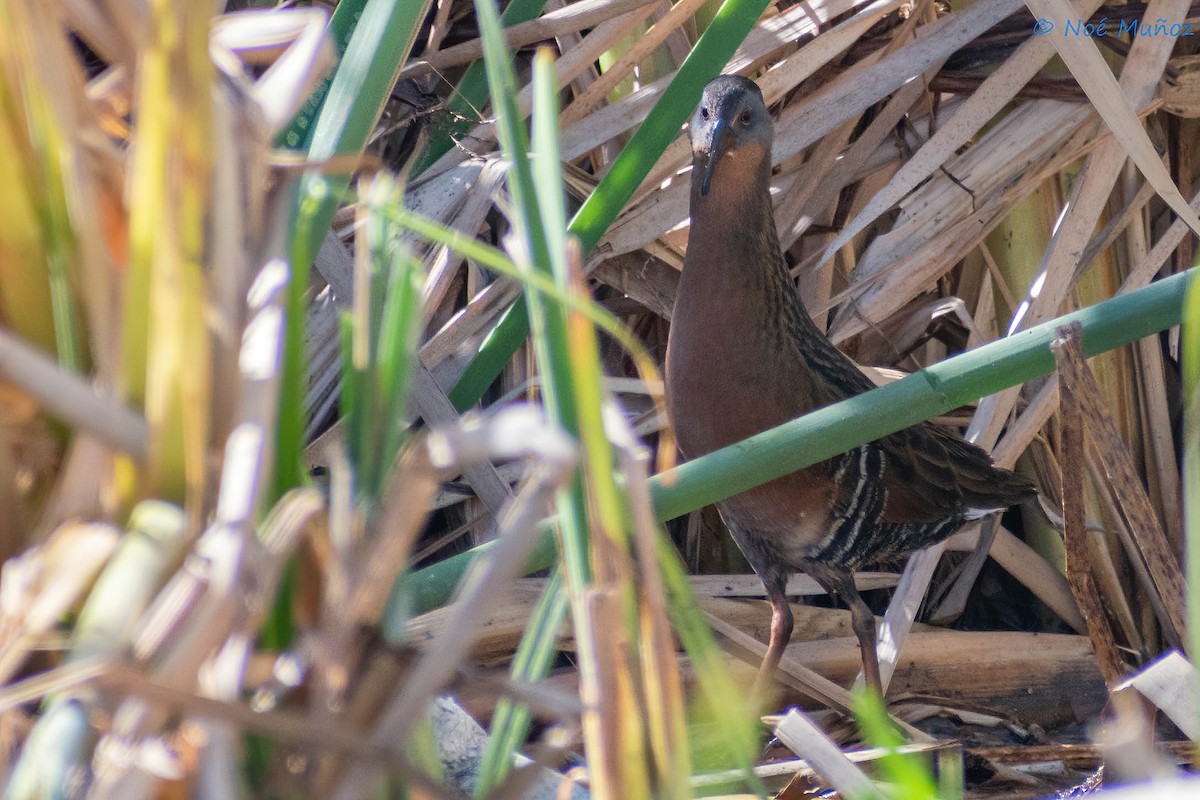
(863, 622)
(781, 634)
(840, 582)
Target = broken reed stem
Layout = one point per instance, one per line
(1069, 356)
(1142, 534)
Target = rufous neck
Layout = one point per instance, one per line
(732, 224)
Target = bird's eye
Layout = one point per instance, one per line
(746, 116)
(703, 112)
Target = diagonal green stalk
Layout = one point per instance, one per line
(923, 395)
(729, 27)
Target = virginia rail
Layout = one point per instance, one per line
(744, 356)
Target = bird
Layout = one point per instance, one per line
(744, 355)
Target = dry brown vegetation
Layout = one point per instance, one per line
(944, 177)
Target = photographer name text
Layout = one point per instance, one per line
(1125, 27)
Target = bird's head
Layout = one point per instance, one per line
(731, 123)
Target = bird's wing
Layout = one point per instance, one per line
(935, 474)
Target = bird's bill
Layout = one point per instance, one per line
(720, 132)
